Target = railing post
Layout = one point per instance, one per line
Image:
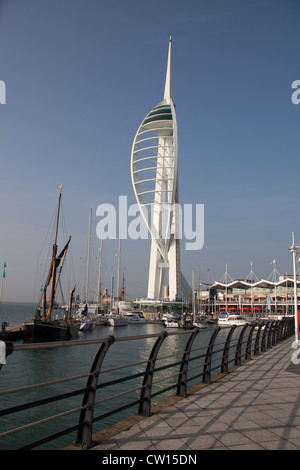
(289, 328)
(84, 434)
(256, 345)
(269, 340)
(249, 341)
(285, 327)
(207, 364)
(224, 365)
(9, 348)
(145, 397)
(280, 330)
(182, 376)
(263, 339)
(238, 354)
(275, 332)
(279, 336)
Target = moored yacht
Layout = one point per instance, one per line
(116, 320)
(134, 317)
(231, 319)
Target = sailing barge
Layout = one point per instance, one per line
(43, 327)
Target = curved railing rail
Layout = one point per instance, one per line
(196, 363)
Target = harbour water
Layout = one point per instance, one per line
(25, 368)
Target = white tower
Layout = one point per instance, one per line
(154, 179)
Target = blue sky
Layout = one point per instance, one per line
(81, 75)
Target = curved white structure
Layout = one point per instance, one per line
(154, 179)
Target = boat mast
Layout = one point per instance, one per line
(226, 293)
(112, 295)
(118, 274)
(69, 311)
(199, 295)
(88, 259)
(193, 297)
(123, 288)
(54, 252)
(99, 272)
(3, 276)
(62, 263)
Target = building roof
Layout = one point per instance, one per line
(264, 284)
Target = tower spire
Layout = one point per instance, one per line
(168, 94)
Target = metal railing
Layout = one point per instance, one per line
(193, 364)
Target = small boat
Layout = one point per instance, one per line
(171, 320)
(134, 317)
(43, 327)
(86, 325)
(200, 324)
(231, 319)
(171, 324)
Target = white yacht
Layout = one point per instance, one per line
(230, 319)
(171, 324)
(171, 320)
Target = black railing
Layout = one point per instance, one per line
(194, 363)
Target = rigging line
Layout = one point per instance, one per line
(69, 269)
(61, 292)
(48, 231)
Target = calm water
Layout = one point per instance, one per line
(37, 366)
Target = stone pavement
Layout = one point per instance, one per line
(255, 406)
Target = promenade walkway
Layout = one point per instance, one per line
(255, 406)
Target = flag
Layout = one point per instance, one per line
(4, 270)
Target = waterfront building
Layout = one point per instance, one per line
(260, 298)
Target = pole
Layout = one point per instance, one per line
(99, 273)
(3, 276)
(294, 252)
(275, 286)
(118, 274)
(226, 291)
(88, 260)
(112, 295)
(54, 252)
(193, 296)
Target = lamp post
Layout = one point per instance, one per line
(294, 252)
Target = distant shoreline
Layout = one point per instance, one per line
(18, 302)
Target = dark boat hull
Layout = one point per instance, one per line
(40, 332)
